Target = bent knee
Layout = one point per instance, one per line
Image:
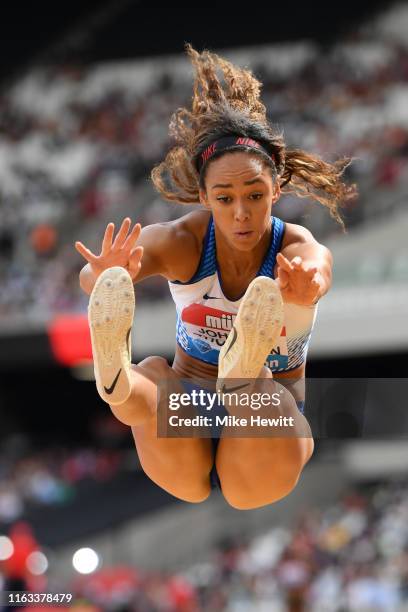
(187, 489)
(182, 471)
(309, 448)
(250, 493)
(193, 496)
(252, 498)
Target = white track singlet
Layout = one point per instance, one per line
(205, 316)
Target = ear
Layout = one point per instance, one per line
(276, 192)
(204, 199)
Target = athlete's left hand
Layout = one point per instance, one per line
(299, 282)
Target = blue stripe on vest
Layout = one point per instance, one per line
(208, 262)
(278, 228)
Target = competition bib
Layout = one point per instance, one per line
(202, 331)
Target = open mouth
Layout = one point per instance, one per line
(243, 234)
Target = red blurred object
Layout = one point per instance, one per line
(43, 238)
(109, 583)
(24, 544)
(70, 339)
(182, 593)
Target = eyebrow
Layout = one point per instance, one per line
(225, 186)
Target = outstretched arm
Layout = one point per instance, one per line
(166, 249)
(121, 251)
(304, 270)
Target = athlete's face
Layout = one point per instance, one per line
(239, 191)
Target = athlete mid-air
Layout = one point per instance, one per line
(245, 284)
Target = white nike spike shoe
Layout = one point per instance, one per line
(255, 332)
(110, 314)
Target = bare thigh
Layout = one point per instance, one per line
(256, 471)
(181, 466)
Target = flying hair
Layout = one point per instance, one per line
(226, 101)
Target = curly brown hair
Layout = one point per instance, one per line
(232, 106)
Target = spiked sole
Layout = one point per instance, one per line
(255, 331)
(110, 314)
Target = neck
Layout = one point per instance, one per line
(241, 263)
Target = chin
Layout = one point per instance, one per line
(244, 245)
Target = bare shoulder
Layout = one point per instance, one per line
(189, 232)
(173, 248)
(193, 224)
(296, 234)
(298, 240)
(186, 234)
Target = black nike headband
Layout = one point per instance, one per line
(228, 142)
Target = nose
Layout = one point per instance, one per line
(241, 212)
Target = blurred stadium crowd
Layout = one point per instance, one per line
(351, 556)
(49, 477)
(44, 472)
(76, 146)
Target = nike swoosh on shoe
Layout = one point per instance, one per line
(110, 314)
(225, 390)
(109, 390)
(234, 338)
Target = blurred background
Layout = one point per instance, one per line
(86, 93)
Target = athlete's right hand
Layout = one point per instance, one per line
(122, 251)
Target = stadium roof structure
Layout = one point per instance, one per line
(89, 31)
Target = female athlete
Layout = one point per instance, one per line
(245, 285)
